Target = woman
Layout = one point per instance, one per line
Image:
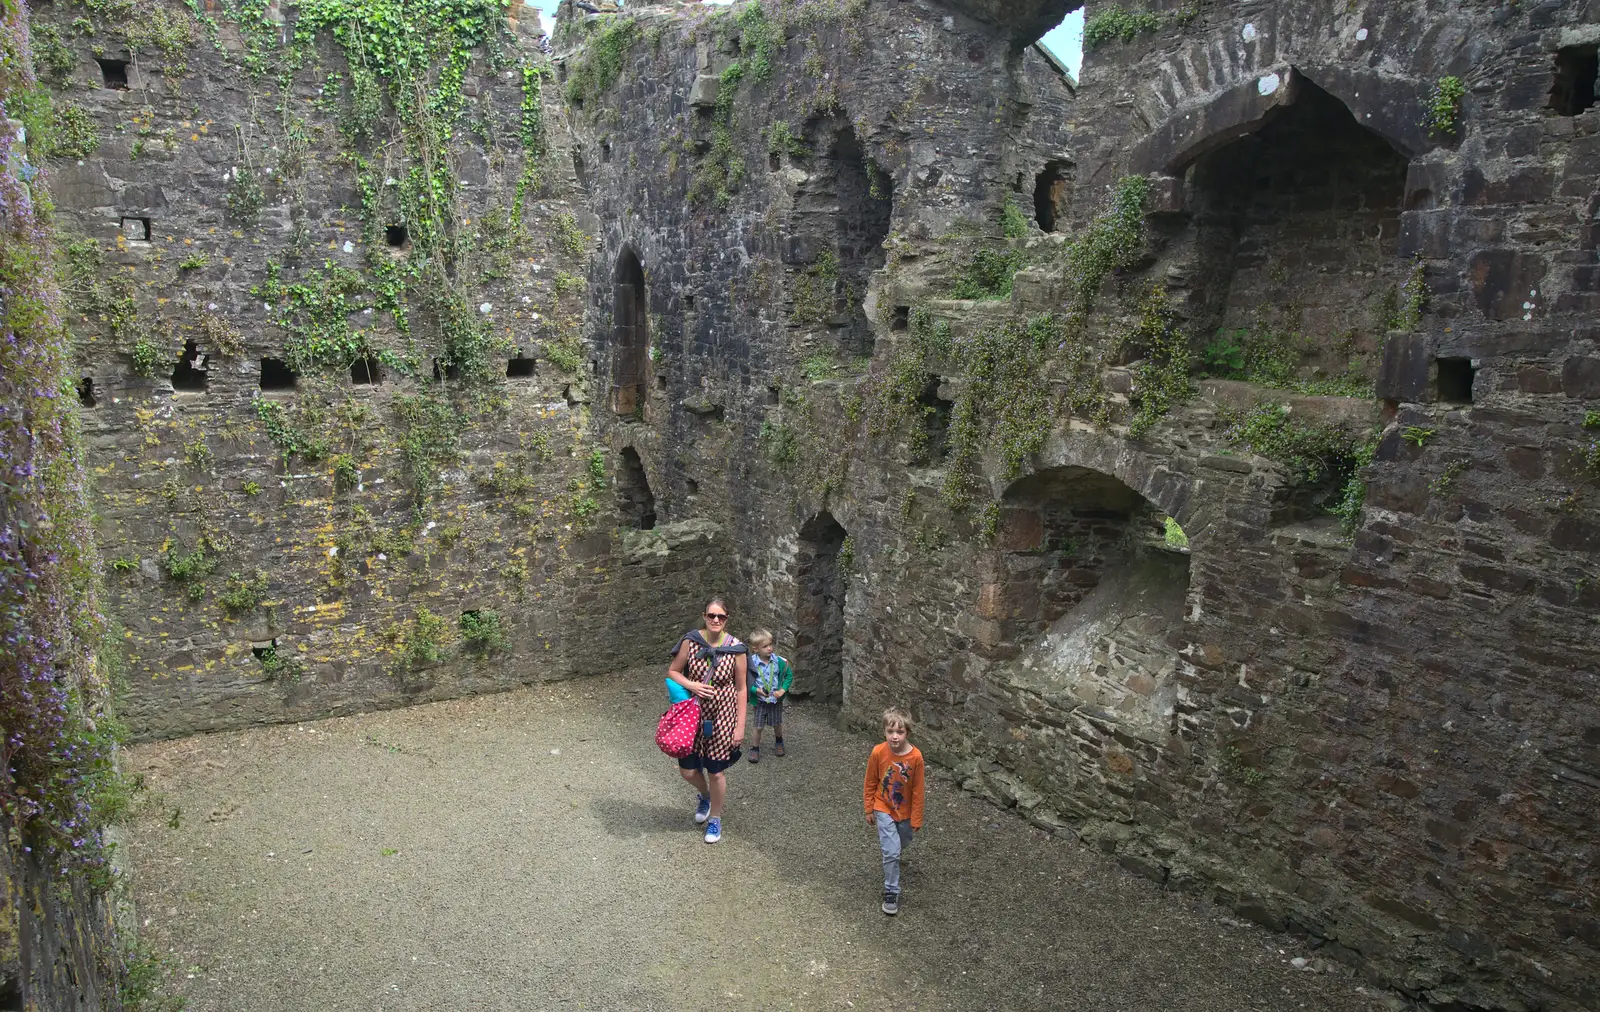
(710, 663)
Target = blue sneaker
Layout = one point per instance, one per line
(713, 830)
(702, 811)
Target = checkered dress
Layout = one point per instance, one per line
(716, 666)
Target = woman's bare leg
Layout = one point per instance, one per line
(719, 791)
(697, 779)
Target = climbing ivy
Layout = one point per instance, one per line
(1113, 240)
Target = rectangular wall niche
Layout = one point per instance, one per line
(113, 73)
(365, 372)
(1455, 380)
(1576, 70)
(276, 375)
(519, 367)
(136, 229)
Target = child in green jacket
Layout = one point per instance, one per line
(770, 677)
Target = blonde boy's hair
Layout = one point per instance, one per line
(760, 638)
(896, 717)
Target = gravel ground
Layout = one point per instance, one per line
(534, 850)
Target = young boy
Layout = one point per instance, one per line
(770, 678)
(892, 797)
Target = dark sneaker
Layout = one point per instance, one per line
(777, 748)
(755, 754)
(891, 904)
(702, 811)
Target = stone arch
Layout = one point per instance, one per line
(820, 588)
(1086, 593)
(1294, 237)
(630, 335)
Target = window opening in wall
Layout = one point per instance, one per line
(839, 223)
(262, 651)
(86, 395)
(934, 438)
(396, 236)
(113, 73)
(276, 375)
(688, 303)
(605, 151)
(1455, 380)
(136, 229)
(577, 160)
(1049, 195)
(635, 501)
(1574, 88)
(901, 318)
(630, 336)
(820, 587)
(442, 372)
(190, 374)
(520, 367)
(364, 371)
(691, 487)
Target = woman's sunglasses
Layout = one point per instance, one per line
(716, 616)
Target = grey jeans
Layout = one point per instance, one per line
(893, 838)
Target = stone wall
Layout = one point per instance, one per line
(337, 405)
(1383, 739)
(915, 341)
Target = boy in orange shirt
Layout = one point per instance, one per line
(892, 797)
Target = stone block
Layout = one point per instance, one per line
(704, 93)
(1504, 280)
(1407, 359)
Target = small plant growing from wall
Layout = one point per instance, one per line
(189, 569)
(1443, 112)
(1116, 22)
(482, 631)
(244, 593)
(1416, 435)
(423, 640)
(1173, 535)
(245, 196)
(148, 357)
(278, 667)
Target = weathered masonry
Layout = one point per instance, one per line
(1206, 452)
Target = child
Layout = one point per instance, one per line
(770, 677)
(892, 796)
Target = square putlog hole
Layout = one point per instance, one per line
(113, 73)
(1576, 70)
(1455, 380)
(519, 367)
(276, 375)
(136, 229)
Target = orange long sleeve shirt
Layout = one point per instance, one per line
(894, 785)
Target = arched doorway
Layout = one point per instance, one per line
(630, 336)
(819, 612)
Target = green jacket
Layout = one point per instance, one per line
(780, 677)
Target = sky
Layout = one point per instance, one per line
(1066, 40)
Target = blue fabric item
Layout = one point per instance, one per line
(676, 693)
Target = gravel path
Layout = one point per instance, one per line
(533, 850)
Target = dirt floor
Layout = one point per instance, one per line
(535, 851)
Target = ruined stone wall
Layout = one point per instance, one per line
(1382, 738)
(330, 370)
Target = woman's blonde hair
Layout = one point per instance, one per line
(896, 717)
(759, 638)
